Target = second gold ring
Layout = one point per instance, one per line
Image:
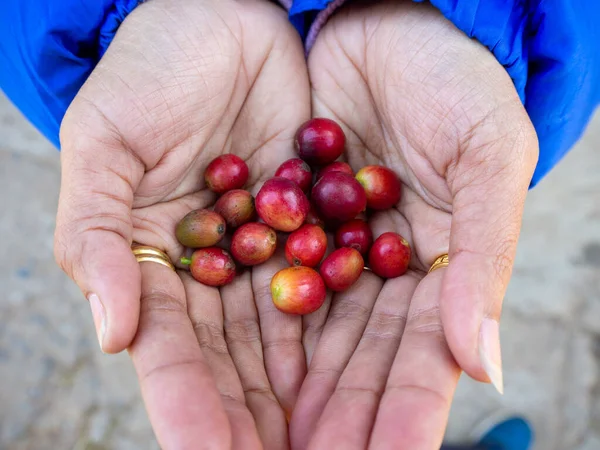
(440, 261)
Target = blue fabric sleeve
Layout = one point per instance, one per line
(48, 48)
(550, 49)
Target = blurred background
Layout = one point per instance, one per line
(58, 391)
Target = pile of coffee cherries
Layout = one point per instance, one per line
(307, 196)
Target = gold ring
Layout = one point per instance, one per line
(440, 261)
(150, 254)
(156, 259)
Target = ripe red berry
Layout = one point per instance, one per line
(389, 256)
(253, 243)
(211, 266)
(319, 141)
(281, 204)
(298, 290)
(200, 228)
(381, 185)
(296, 170)
(342, 268)
(338, 197)
(336, 166)
(226, 172)
(236, 207)
(356, 234)
(306, 246)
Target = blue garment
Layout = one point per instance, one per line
(550, 48)
(48, 48)
(512, 433)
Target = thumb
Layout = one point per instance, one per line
(489, 184)
(94, 226)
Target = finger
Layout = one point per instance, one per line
(489, 184)
(281, 336)
(93, 226)
(350, 413)
(244, 342)
(414, 408)
(206, 315)
(313, 324)
(312, 328)
(348, 317)
(180, 393)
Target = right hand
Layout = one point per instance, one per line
(183, 82)
(415, 94)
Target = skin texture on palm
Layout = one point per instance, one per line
(182, 83)
(415, 94)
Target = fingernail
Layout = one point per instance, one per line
(489, 352)
(99, 315)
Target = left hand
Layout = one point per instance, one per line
(415, 94)
(183, 82)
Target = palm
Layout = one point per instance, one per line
(215, 88)
(412, 94)
(215, 78)
(400, 108)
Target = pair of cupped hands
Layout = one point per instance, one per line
(376, 367)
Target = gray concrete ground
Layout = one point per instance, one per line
(58, 391)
